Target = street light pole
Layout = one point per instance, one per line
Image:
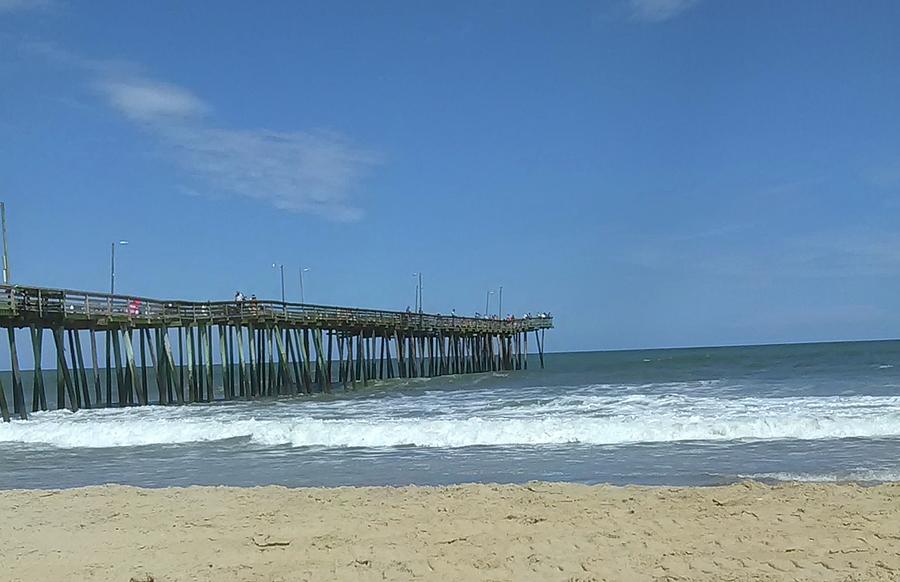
(500, 304)
(281, 268)
(418, 292)
(302, 270)
(112, 265)
(6, 276)
(487, 304)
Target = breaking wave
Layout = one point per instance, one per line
(559, 421)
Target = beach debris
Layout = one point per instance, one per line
(454, 540)
(266, 541)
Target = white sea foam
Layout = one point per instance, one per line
(860, 476)
(596, 420)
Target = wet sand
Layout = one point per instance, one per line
(539, 531)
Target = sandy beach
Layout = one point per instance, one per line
(539, 531)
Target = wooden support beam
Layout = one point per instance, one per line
(307, 360)
(160, 367)
(254, 376)
(132, 370)
(229, 360)
(539, 339)
(302, 337)
(367, 355)
(19, 406)
(435, 362)
(424, 356)
(412, 358)
(120, 376)
(390, 360)
(293, 355)
(86, 391)
(260, 362)
(170, 359)
(201, 368)
(525, 350)
(242, 366)
(144, 388)
(95, 364)
(181, 363)
(361, 371)
(351, 369)
(381, 360)
(156, 363)
(401, 364)
(4, 407)
(320, 360)
(210, 382)
(271, 372)
(223, 355)
(73, 366)
(373, 358)
(109, 368)
(329, 364)
(342, 377)
(38, 393)
(66, 379)
(284, 362)
(191, 372)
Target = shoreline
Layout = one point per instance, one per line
(536, 531)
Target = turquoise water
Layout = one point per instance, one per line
(820, 412)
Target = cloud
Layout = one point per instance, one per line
(294, 171)
(315, 172)
(145, 100)
(659, 10)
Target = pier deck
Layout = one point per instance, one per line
(264, 348)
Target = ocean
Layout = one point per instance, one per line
(698, 416)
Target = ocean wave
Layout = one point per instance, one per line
(860, 476)
(605, 421)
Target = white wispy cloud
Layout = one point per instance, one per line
(314, 172)
(659, 10)
(146, 100)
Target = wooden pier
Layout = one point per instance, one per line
(165, 352)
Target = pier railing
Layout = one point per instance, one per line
(28, 305)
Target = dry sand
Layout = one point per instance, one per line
(473, 532)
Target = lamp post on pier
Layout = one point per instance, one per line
(500, 304)
(112, 265)
(302, 270)
(487, 305)
(418, 292)
(6, 276)
(281, 269)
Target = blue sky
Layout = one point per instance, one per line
(654, 172)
